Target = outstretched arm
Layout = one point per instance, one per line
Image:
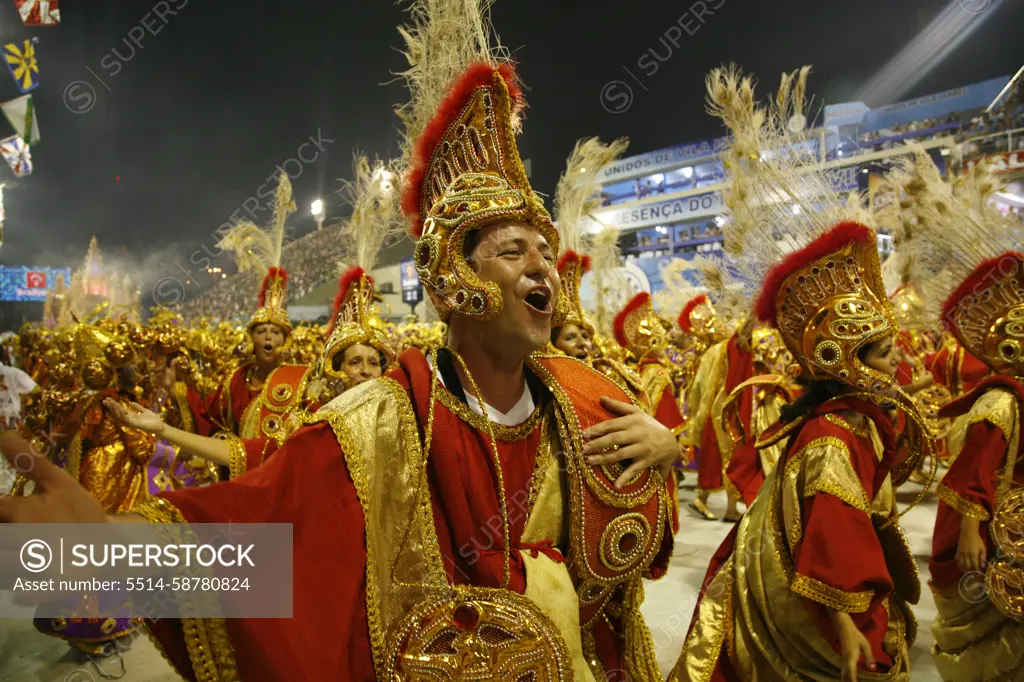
(215, 450)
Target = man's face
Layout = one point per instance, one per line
(517, 258)
(360, 363)
(574, 341)
(266, 339)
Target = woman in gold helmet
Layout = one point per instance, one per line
(976, 563)
(814, 582)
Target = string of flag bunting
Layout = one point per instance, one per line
(23, 65)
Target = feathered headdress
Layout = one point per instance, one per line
(819, 267)
(612, 290)
(972, 249)
(354, 318)
(259, 250)
(462, 167)
(577, 195)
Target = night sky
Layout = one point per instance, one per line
(195, 120)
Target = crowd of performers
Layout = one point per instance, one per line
(802, 391)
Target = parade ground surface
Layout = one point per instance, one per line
(27, 656)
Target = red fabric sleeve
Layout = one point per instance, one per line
(205, 426)
(974, 474)
(307, 484)
(668, 413)
(841, 549)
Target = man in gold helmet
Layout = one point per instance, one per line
(530, 533)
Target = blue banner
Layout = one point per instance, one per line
(663, 212)
(25, 283)
(662, 159)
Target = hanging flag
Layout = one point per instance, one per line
(21, 114)
(17, 154)
(39, 12)
(21, 62)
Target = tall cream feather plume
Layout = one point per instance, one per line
(677, 289)
(578, 191)
(612, 288)
(375, 215)
(778, 197)
(257, 249)
(442, 39)
(955, 228)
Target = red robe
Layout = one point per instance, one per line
(973, 479)
(710, 474)
(839, 545)
(307, 483)
(957, 369)
(222, 410)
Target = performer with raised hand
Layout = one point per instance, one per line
(357, 348)
(254, 398)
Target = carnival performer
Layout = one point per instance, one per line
(357, 349)
(254, 400)
(640, 331)
(506, 433)
(108, 461)
(577, 195)
(978, 635)
(767, 392)
(813, 582)
(722, 368)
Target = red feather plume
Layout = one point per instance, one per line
(619, 324)
(272, 273)
(831, 241)
(476, 75)
(570, 256)
(344, 282)
(985, 270)
(691, 305)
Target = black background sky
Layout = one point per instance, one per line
(197, 119)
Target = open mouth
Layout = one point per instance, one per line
(582, 355)
(268, 348)
(539, 299)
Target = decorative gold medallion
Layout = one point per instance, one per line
(108, 626)
(478, 634)
(271, 425)
(623, 541)
(282, 393)
(1004, 578)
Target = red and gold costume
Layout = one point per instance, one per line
(956, 368)
(749, 465)
(468, 550)
(253, 419)
(976, 636)
(978, 630)
(824, 534)
(640, 331)
(724, 366)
